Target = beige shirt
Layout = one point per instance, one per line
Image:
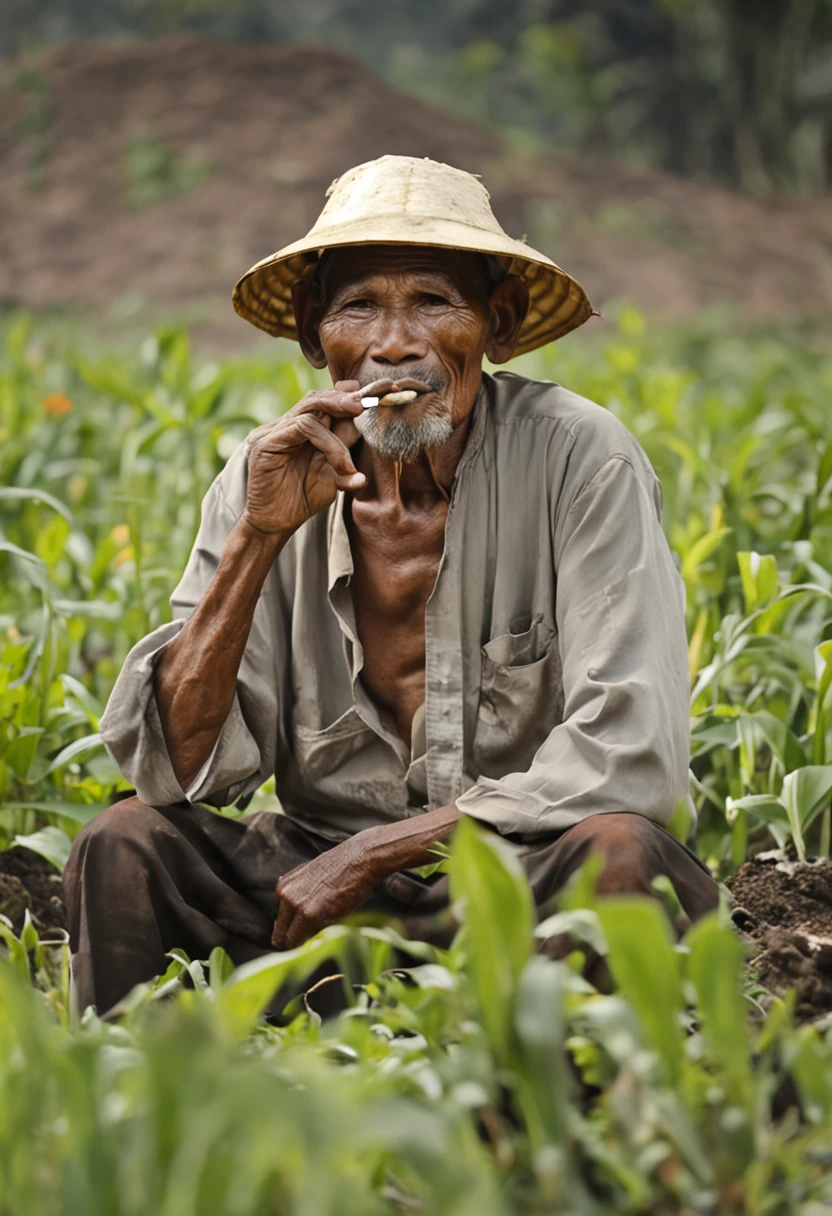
(556, 680)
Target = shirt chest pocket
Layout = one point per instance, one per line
(348, 765)
(320, 753)
(521, 698)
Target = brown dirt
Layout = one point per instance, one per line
(29, 881)
(786, 911)
(276, 125)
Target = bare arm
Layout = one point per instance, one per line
(196, 677)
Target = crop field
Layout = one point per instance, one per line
(484, 1080)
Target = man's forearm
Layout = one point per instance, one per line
(196, 676)
(401, 846)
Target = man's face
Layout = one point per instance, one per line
(417, 314)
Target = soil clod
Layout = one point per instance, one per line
(29, 881)
(785, 908)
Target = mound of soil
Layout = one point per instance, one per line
(29, 881)
(162, 170)
(785, 908)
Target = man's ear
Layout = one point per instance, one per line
(308, 315)
(509, 305)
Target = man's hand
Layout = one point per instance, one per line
(340, 881)
(298, 462)
(321, 892)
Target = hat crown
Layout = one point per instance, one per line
(409, 188)
(409, 202)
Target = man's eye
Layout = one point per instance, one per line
(357, 304)
(430, 299)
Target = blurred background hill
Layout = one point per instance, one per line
(670, 154)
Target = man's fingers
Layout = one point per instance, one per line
(331, 402)
(285, 912)
(300, 931)
(342, 402)
(346, 429)
(292, 928)
(337, 453)
(356, 481)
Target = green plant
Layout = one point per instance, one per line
(436, 1090)
(103, 466)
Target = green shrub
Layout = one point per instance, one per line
(483, 1079)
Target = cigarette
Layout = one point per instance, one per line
(403, 398)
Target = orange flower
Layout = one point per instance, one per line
(57, 404)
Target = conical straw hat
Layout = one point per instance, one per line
(402, 200)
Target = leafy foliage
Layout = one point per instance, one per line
(433, 1091)
(482, 1079)
(103, 466)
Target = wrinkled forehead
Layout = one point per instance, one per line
(348, 267)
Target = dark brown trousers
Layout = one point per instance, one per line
(141, 881)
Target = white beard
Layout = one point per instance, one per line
(402, 440)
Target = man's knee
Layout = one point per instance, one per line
(618, 830)
(636, 851)
(627, 843)
(126, 826)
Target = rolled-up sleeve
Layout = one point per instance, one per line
(623, 744)
(244, 754)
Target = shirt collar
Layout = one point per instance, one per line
(478, 419)
(340, 564)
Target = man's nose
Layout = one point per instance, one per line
(397, 340)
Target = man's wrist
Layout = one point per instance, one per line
(250, 532)
(399, 846)
(371, 851)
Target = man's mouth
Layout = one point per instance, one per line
(401, 392)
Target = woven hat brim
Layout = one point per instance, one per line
(557, 302)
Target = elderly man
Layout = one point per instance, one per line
(458, 601)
